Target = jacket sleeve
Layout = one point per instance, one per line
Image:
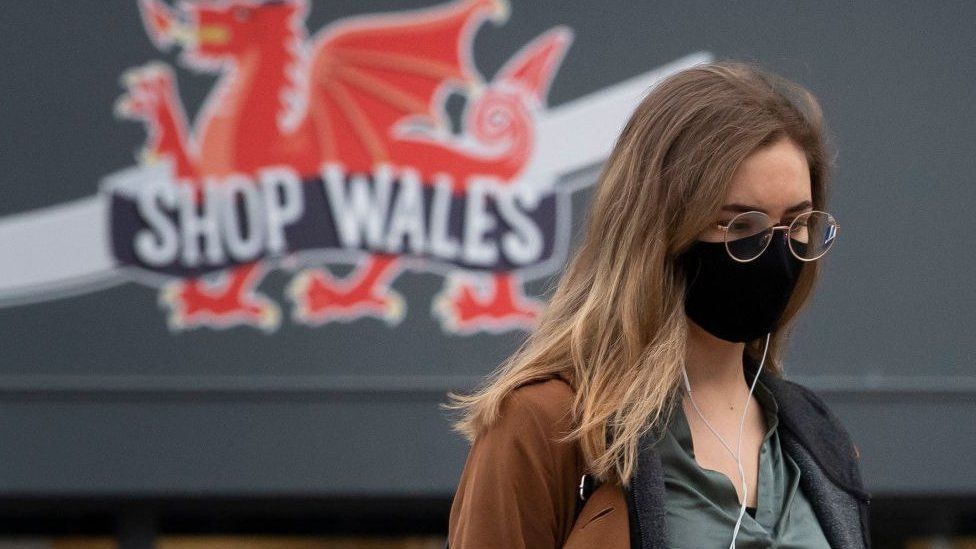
(517, 487)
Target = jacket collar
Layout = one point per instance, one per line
(822, 434)
(810, 434)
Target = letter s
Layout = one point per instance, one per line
(158, 244)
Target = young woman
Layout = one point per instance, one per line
(656, 370)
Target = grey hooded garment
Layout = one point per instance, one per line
(809, 433)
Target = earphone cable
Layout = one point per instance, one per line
(736, 454)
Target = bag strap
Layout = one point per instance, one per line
(588, 484)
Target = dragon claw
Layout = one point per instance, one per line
(502, 308)
(320, 298)
(191, 304)
(396, 308)
(270, 317)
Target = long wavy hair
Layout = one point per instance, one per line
(615, 325)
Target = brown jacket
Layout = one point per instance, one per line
(515, 475)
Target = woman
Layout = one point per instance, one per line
(656, 370)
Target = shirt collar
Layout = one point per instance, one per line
(678, 426)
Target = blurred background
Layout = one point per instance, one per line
(259, 363)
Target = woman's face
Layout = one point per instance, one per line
(774, 180)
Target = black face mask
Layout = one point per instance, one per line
(739, 301)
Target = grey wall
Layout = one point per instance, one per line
(98, 396)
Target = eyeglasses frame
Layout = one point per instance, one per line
(725, 229)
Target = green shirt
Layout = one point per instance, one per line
(702, 505)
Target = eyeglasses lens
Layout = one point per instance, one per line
(811, 234)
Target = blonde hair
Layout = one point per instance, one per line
(615, 325)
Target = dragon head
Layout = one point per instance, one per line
(214, 31)
(497, 112)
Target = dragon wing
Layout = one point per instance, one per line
(368, 75)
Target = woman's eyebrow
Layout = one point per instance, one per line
(748, 208)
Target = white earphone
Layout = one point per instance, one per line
(738, 444)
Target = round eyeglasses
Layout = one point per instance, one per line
(748, 234)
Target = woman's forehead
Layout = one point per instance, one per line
(775, 178)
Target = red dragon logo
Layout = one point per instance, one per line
(358, 109)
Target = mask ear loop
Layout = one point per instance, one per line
(738, 446)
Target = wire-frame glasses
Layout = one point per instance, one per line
(748, 234)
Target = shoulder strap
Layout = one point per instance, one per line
(588, 484)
